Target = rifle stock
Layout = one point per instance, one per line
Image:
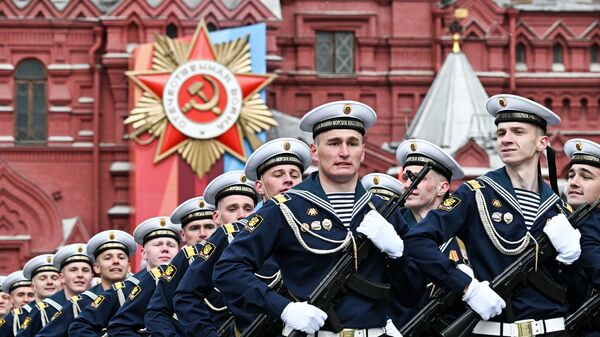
(504, 283)
(333, 283)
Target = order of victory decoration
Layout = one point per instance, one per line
(199, 100)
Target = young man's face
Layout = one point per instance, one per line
(233, 208)
(430, 189)
(278, 179)
(5, 303)
(159, 251)
(583, 185)
(197, 231)
(338, 154)
(76, 277)
(21, 296)
(519, 142)
(112, 265)
(45, 284)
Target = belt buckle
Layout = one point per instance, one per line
(525, 328)
(347, 333)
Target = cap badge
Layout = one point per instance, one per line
(162, 222)
(312, 211)
(201, 204)
(243, 178)
(347, 109)
(579, 146)
(111, 236)
(502, 102)
(49, 259)
(80, 249)
(287, 146)
(376, 180)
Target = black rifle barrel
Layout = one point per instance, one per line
(332, 284)
(584, 317)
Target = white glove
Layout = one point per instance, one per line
(465, 269)
(391, 330)
(382, 234)
(483, 300)
(303, 316)
(564, 238)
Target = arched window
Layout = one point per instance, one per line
(30, 102)
(566, 107)
(171, 30)
(521, 57)
(548, 103)
(557, 58)
(211, 27)
(584, 107)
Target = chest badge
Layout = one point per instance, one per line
(304, 227)
(312, 211)
(327, 224)
(315, 225)
(496, 203)
(497, 216)
(508, 217)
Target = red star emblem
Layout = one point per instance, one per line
(200, 101)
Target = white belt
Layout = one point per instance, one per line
(372, 332)
(522, 328)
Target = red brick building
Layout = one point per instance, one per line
(64, 157)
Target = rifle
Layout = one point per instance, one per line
(523, 269)
(429, 317)
(227, 327)
(338, 277)
(584, 317)
(265, 325)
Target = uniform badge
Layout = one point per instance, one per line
(508, 218)
(449, 204)
(304, 227)
(97, 302)
(280, 198)
(327, 224)
(497, 216)
(207, 250)
(2, 323)
(156, 273)
(315, 225)
(55, 316)
(496, 203)
(26, 323)
(134, 292)
(312, 211)
(253, 223)
(169, 272)
(453, 255)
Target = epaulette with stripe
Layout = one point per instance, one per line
(230, 228)
(26, 307)
(118, 285)
(475, 184)
(280, 198)
(156, 272)
(89, 294)
(133, 280)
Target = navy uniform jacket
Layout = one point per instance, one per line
(459, 216)
(129, 319)
(269, 234)
(400, 314)
(59, 323)
(50, 306)
(95, 317)
(159, 319)
(13, 320)
(196, 287)
(590, 254)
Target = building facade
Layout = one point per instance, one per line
(64, 155)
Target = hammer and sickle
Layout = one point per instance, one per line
(196, 90)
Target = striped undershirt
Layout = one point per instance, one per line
(530, 203)
(342, 203)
